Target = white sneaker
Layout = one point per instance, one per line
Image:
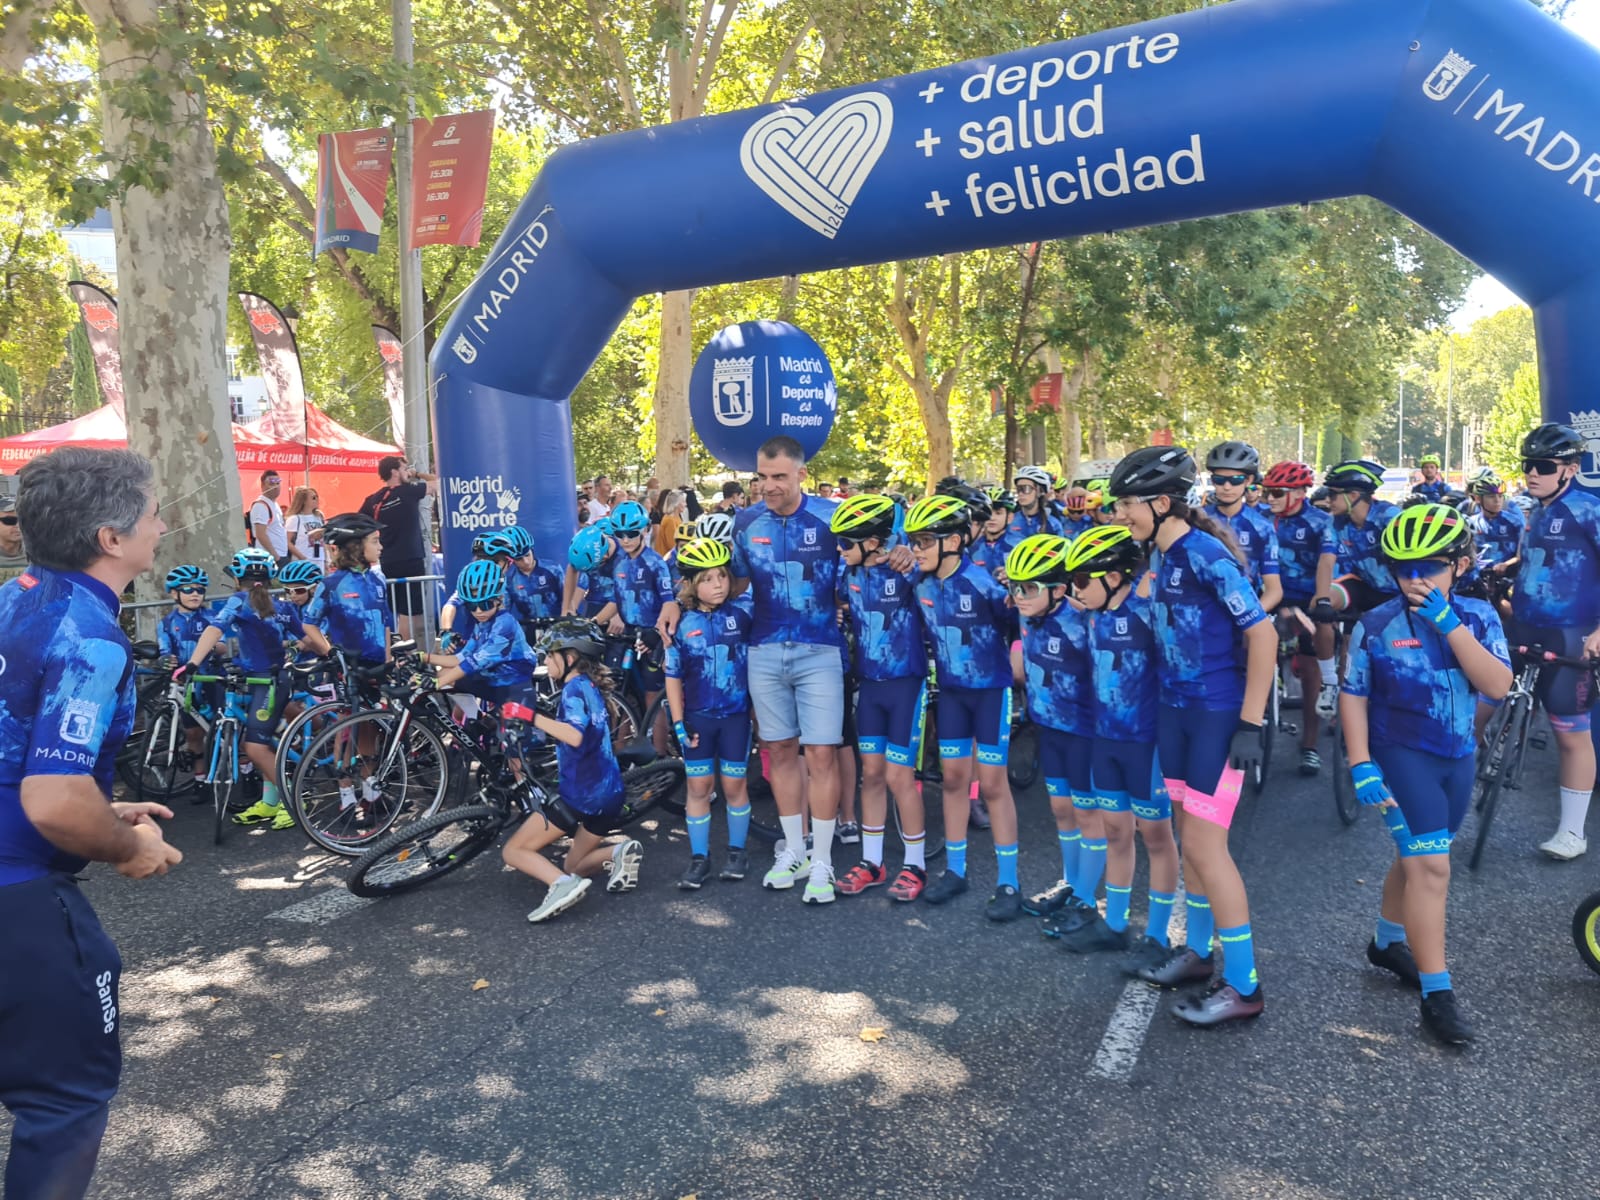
(624, 866)
(563, 894)
(786, 871)
(1565, 846)
(819, 888)
(1328, 701)
(347, 798)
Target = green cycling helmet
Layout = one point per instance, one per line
(940, 515)
(1426, 531)
(702, 554)
(865, 516)
(1105, 548)
(1041, 558)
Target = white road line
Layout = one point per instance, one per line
(1130, 1019)
(327, 905)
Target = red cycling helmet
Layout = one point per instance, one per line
(1289, 475)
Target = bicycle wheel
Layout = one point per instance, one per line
(425, 849)
(1507, 734)
(1344, 787)
(627, 726)
(646, 787)
(1586, 931)
(297, 736)
(1022, 760)
(160, 769)
(1269, 731)
(224, 781)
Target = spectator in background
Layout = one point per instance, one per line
(303, 525)
(732, 497)
(266, 518)
(396, 507)
(674, 512)
(13, 559)
(825, 490)
(844, 491)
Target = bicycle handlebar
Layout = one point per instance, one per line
(1551, 658)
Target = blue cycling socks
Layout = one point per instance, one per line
(1435, 981)
(269, 794)
(1238, 958)
(738, 826)
(1091, 866)
(1160, 918)
(1117, 899)
(1006, 862)
(1389, 932)
(955, 858)
(1071, 846)
(1200, 925)
(699, 835)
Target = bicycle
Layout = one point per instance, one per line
(348, 689)
(433, 846)
(1344, 785)
(1586, 931)
(223, 774)
(163, 766)
(1505, 740)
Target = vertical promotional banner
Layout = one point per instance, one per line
(449, 178)
(352, 181)
(394, 391)
(285, 419)
(100, 319)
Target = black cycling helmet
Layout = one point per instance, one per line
(1234, 456)
(1355, 475)
(975, 498)
(578, 634)
(1154, 471)
(348, 527)
(1551, 440)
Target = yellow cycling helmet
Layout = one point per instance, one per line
(1426, 531)
(702, 554)
(1038, 559)
(865, 516)
(1104, 548)
(941, 515)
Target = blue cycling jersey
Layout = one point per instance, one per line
(599, 589)
(535, 596)
(179, 632)
(66, 703)
(1057, 666)
(590, 779)
(642, 584)
(1256, 538)
(793, 567)
(1497, 537)
(1072, 526)
(883, 615)
(352, 609)
(1417, 695)
(1022, 525)
(1435, 491)
(1558, 582)
(1203, 604)
(1126, 671)
(497, 652)
(1302, 541)
(990, 553)
(709, 655)
(1358, 547)
(262, 640)
(969, 625)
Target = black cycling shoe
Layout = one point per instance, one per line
(1396, 959)
(693, 879)
(1180, 966)
(1050, 901)
(1004, 905)
(1310, 762)
(1094, 936)
(1443, 1019)
(736, 866)
(1218, 1004)
(1145, 954)
(1071, 915)
(947, 886)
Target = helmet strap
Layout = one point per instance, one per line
(938, 569)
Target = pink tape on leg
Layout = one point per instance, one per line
(1177, 789)
(1218, 808)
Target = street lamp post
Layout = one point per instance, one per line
(1400, 427)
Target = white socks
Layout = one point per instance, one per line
(822, 843)
(872, 844)
(794, 835)
(1329, 671)
(1574, 809)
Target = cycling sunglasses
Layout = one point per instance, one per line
(1275, 493)
(1030, 587)
(1230, 480)
(297, 591)
(1082, 579)
(483, 605)
(925, 541)
(1422, 568)
(191, 591)
(1026, 487)
(625, 536)
(1541, 466)
(850, 543)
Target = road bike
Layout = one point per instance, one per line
(225, 770)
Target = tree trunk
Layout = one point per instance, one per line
(1070, 415)
(1097, 439)
(913, 318)
(172, 272)
(673, 364)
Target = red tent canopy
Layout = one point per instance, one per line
(342, 465)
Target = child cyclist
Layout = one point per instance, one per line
(1033, 504)
(533, 590)
(495, 663)
(176, 637)
(708, 691)
(1407, 709)
(1363, 581)
(591, 791)
(643, 589)
(594, 593)
(1217, 652)
(891, 663)
(990, 548)
(970, 625)
(1052, 661)
(264, 628)
(1235, 467)
(1106, 565)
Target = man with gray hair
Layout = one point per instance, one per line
(66, 706)
(13, 561)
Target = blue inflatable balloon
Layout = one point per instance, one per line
(759, 379)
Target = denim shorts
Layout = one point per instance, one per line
(797, 690)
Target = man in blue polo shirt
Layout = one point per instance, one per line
(66, 706)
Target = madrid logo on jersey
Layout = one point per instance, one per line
(888, 587)
(809, 537)
(966, 603)
(1053, 646)
(1237, 604)
(78, 721)
(1122, 626)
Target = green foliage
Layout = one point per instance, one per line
(85, 384)
(1515, 412)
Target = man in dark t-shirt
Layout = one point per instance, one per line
(396, 508)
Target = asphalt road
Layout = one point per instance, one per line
(663, 1044)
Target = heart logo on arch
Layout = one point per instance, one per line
(813, 165)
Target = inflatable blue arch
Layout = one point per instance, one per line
(1478, 119)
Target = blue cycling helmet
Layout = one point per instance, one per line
(253, 561)
(589, 549)
(521, 540)
(630, 517)
(480, 545)
(301, 573)
(497, 543)
(480, 582)
(186, 576)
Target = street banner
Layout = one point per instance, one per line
(449, 178)
(352, 181)
(105, 342)
(1046, 393)
(394, 391)
(279, 357)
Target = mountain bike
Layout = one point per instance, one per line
(224, 772)
(1586, 930)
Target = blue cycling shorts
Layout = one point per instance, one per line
(1067, 762)
(723, 745)
(1194, 744)
(981, 715)
(266, 707)
(890, 715)
(1433, 792)
(1122, 777)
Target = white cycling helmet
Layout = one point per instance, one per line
(718, 526)
(1035, 475)
(1196, 497)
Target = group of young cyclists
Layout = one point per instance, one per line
(1140, 616)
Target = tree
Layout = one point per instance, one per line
(35, 312)
(1517, 411)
